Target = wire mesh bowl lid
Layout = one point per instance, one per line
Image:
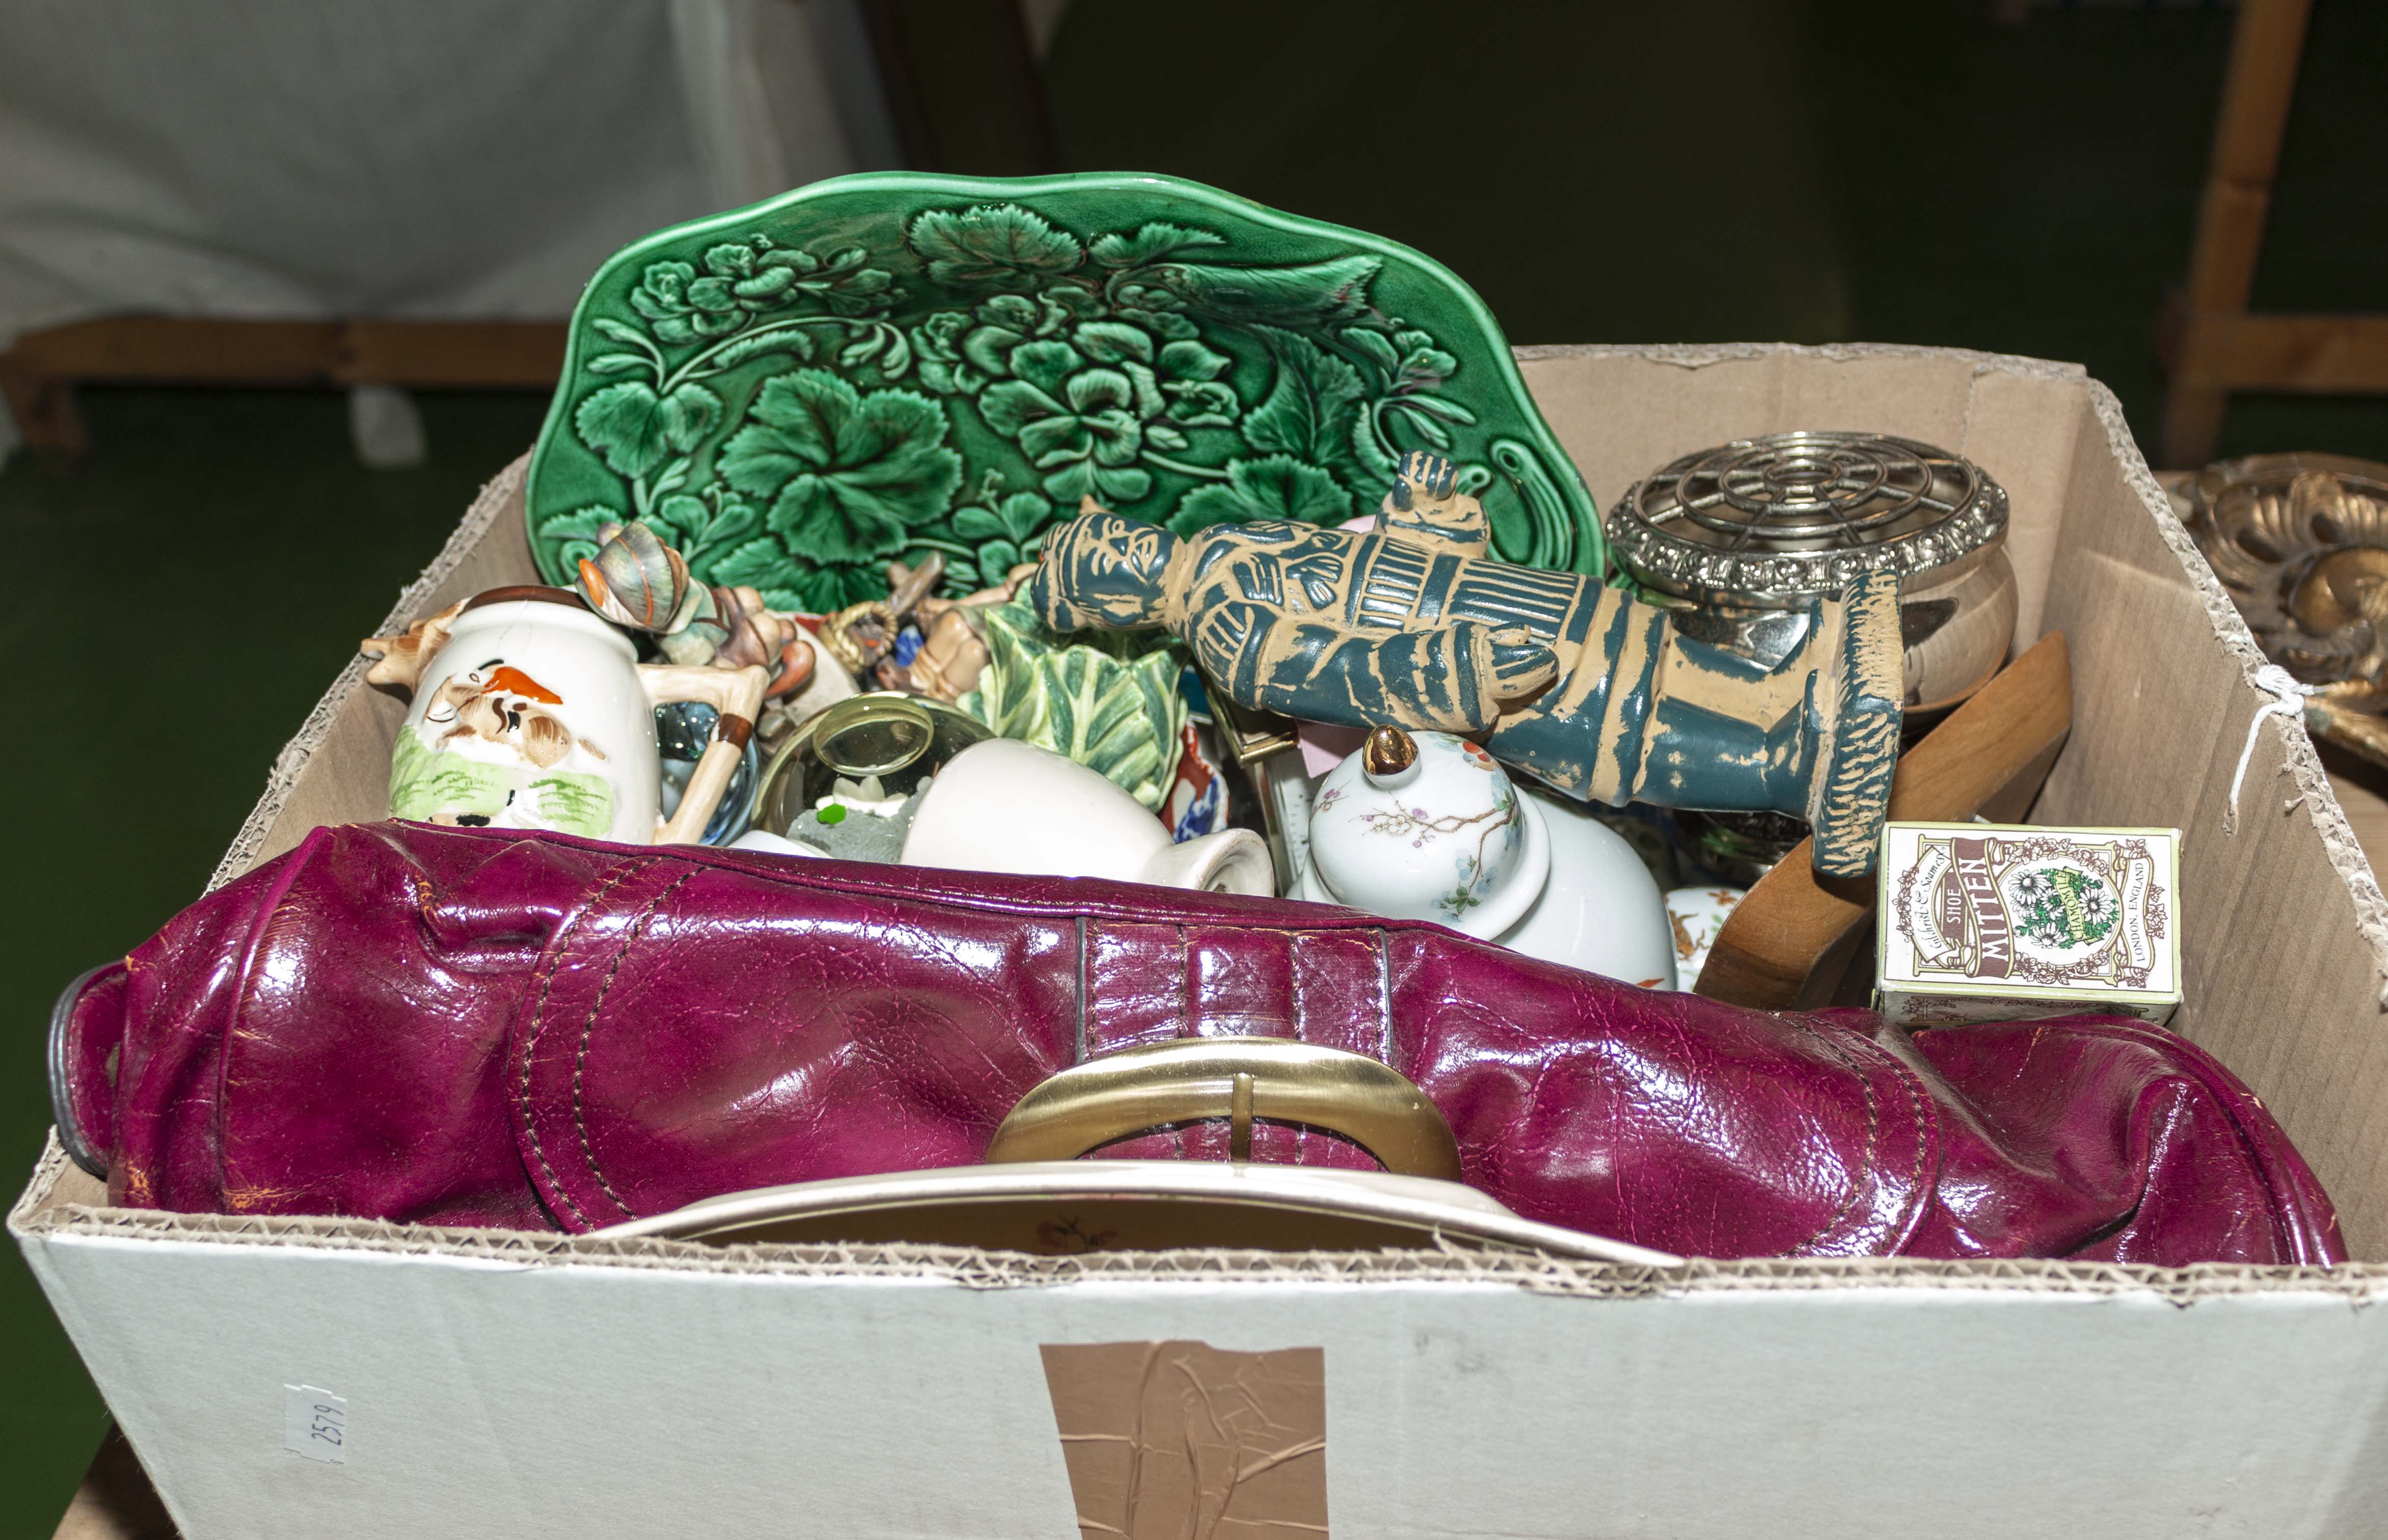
(1786, 519)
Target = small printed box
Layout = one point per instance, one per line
(1988, 921)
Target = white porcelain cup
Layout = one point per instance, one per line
(1006, 805)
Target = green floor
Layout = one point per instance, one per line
(1709, 171)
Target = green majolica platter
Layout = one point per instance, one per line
(877, 366)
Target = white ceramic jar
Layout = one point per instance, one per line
(534, 713)
(1429, 826)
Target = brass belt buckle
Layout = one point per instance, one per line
(1135, 1089)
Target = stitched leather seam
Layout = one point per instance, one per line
(1918, 1105)
(1081, 992)
(1874, 1128)
(589, 1030)
(538, 1023)
(1927, 1116)
(1294, 952)
(1293, 955)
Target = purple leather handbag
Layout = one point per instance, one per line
(464, 1026)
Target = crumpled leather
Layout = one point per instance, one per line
(466, 1026)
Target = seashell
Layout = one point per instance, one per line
(636, 580)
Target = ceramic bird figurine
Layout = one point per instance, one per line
(1413, 625)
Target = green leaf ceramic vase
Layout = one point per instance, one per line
(878, 366)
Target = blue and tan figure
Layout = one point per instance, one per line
(1413, 625)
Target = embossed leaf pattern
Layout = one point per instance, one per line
(705, 529)
(575, 533)
(817, 588)
(1003, 535)
(1119, 715)
(1276, 485)
(1147, 366)
(1150, 243)
(625, 423)
(742, 280)
(1002, 245)
(1311, 408)
(845, 474)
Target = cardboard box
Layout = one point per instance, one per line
(534, 1385)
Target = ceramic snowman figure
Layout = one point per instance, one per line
(1429, 826)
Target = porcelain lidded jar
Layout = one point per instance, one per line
(1426, 826)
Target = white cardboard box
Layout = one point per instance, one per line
(496, 1383)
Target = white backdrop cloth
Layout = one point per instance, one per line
(433, 159)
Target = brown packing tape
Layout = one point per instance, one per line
(1167, 1440)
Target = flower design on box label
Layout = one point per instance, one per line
(2043, 911)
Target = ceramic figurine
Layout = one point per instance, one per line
(953, 651)
(1197, 803)
(1002, 805)
(530, 712)
(1427, 826)
(873, 367)
(639, 583)
(859, 635)
(1580, 686)
(951, 660)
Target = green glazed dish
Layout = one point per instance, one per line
(877, 366)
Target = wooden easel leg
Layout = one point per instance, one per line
(2193, 423)
(2257, 93)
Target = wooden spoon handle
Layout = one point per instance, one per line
(1990, 756)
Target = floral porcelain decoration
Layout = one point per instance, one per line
(1439, 833)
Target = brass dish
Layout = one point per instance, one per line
(2301, 544)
